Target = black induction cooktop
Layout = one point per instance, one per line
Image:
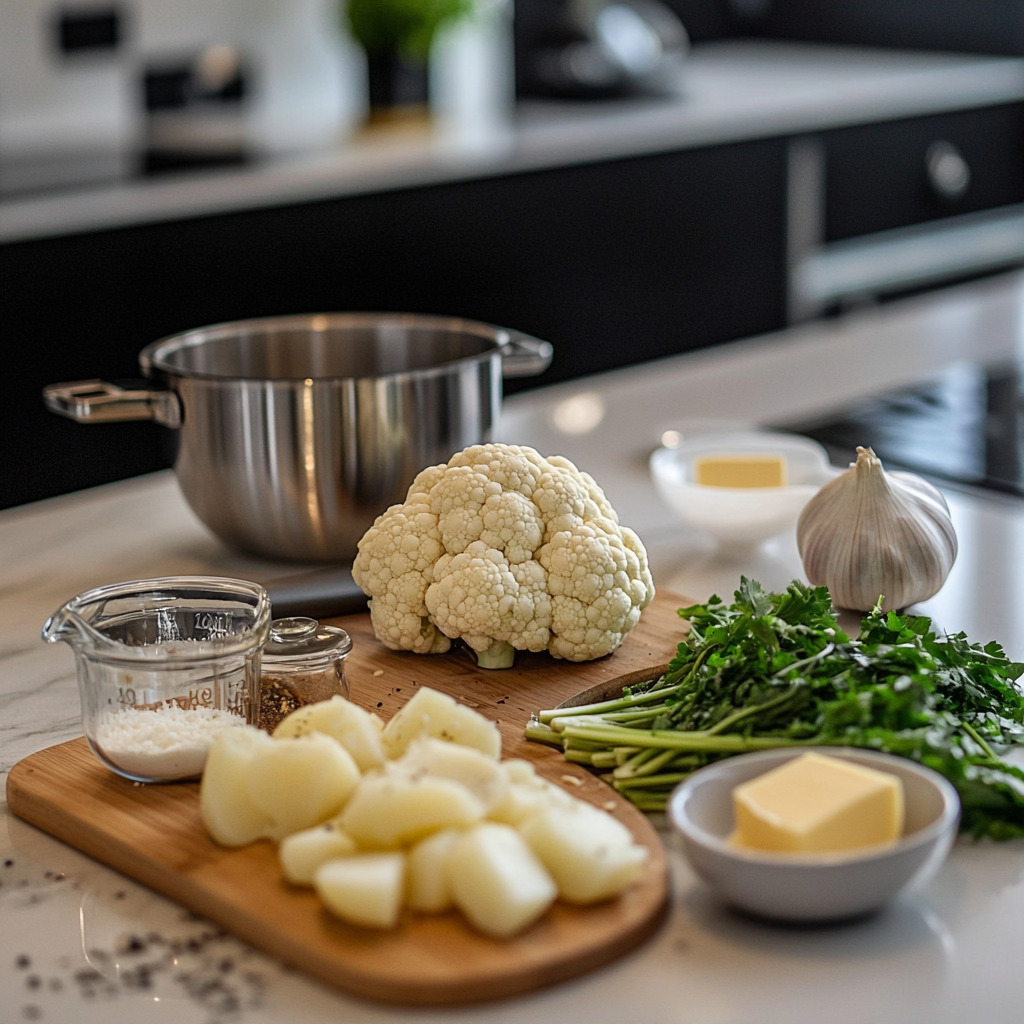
(964, 424)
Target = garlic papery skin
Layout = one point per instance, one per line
(869, 534)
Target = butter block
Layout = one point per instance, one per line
(726, 470)
(815, 803)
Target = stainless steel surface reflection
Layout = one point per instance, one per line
(296, 432)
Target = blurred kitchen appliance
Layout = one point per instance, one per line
(963, 425)
(597, 49)
(876, 211)
(74, 78)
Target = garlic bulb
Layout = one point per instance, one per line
(869, 534)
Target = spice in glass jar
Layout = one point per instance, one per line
(303, 663)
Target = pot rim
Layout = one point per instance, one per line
(499, 338)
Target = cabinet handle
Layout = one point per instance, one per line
(949, 174)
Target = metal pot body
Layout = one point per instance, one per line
(296, 432)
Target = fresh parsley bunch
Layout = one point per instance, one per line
(775, 669)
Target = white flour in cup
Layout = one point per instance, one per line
(165, 743)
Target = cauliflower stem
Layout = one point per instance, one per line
(499, 654)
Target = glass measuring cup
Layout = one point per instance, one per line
(163, 664)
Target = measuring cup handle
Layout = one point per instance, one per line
(524, 356)
(96, 401)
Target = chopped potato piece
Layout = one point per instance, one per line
(518, 769)
(497, 881)
(525, 792)
(478, 772)
(390, 808)
(364, 889)
(426, 882)
(229, 813)
(590, 854)
(303, 852)
(357, 730)
(301, 782)
(432, 713)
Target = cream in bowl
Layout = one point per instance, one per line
(742, 486)
(907, 828)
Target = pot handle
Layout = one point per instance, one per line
(524, 356)
(96, 401)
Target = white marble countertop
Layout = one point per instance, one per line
(81, 943)
(730, 91)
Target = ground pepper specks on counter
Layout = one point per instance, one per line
(205, 969)
(199, 963)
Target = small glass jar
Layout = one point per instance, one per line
(303, 663)
(163, 665)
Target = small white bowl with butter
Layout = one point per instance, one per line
(806, 886)
(740, 486)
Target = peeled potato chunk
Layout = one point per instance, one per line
(364, 889)
(301, 853)
(391, 808)
(229, 813)
(590, 855)
(427, 887)
(432, 713)
(357, 730)
(481, 774)
(497, 881)
(301, 782)
(525, 792)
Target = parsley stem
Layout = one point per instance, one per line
(600, 707)
(644, 763)
(755, 709)
(668, 739)
(979, 739)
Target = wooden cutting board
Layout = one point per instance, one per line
(154, 835)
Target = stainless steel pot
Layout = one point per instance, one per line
(296, 432)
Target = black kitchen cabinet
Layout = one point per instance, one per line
(967, 26)
(890, 175)
(880, 210)
(613, 262)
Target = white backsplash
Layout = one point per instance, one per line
(305, 85)
(48, 100)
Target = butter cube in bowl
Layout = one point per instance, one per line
(740, 486)
(814, 834)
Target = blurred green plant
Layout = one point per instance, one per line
(406, 27)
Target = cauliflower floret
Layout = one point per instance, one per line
(490, 603)
(599, 585)
(487, 496)
(403, 545)
(506, 550)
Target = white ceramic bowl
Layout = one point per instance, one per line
(740, 515)
(812, 887)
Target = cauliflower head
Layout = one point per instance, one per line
(506, 550)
